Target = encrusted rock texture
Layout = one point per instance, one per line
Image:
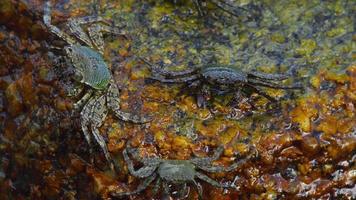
(306, 145)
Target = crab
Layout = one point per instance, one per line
(92, 71)
(221, 79)
(176, 171)
(223, 5)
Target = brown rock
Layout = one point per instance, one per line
(310, 144)
(14, 100)
(291, 152)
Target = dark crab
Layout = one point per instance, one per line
(223, 79)
(177, 172)
(225, 6)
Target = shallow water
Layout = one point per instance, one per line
(306, 142)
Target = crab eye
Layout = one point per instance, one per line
(69, 49)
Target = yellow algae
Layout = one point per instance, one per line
(115, 136)
(138, 74)
(211, 128)
(277, 37)
(328, 125)
(337, 6)
(335, 31)
(338, 78)
(163, 94)
(242, 149)
(187, 103)
(159, 136)
(304, 114)
(315, 81)
(229, 135)
(307, 47)
(345, 126)
(181, 142)
(203, 113)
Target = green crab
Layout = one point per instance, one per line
(92, 70)
(177, 171)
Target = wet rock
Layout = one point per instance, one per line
(63, 104)
(298, 145)
(291, 153)
(310, 144)
(5, 81)
(7, 10)
(289, 173)
(14, 100)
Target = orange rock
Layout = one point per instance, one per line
(7, 11)
(304, 113)
(104, 184)
(123, 52)
(328, 125)
(76, 164)
(333, 151)
(44, 89)
(338, 78)
(14, 99)
(267, 157)
(352, 74)
(291, 153)
(28, 92)
(345, 125)
(61, 104)
(310, 144)
(348, 145)
(53, 184)
(304, 168)
(216, 194)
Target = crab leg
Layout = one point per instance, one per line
(208, 160)
(176, 80)
(220, 5)
(47, 20)
(271, 85)
(74, 26)
(265, 76)
(199, 188)
(156, 187)
(210, 180)
(143, 172)
(166, 187)
(83, 100)
(186, 190)
(139, 189)
(202, 95)
(217, 169)
(113, 101)
(260, 92)
(96, 34)
(93, 114)
(85, 119)
(130, 117)
(99, 138)
(74, 92)
(198, 5)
